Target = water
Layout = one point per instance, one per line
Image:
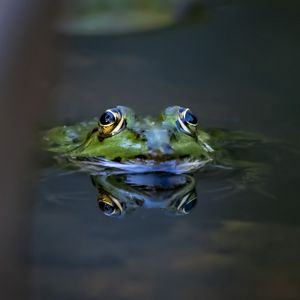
(236, 69)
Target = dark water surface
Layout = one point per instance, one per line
(238, 68)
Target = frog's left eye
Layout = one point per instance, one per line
(111, 122)
(109, 205)
(186, 121)
(185, 205)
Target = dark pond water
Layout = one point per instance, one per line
(238, 68)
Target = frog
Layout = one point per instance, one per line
(121, 141)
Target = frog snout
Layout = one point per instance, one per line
(164, 150)
(158, 141)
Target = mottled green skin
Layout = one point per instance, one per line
(150, 139)
(155, 145)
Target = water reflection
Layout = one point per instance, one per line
(119, 195)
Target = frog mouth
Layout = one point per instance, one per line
(140, 164)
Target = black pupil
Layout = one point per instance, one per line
(106, 208)
(190, 118)
(107, 118)
(189, 206)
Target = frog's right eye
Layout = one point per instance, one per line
(111, 122)
(110, 205)
(186, 121)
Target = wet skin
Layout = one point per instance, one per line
(121, 141)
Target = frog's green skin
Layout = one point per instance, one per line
(145, 145)
(119, 195)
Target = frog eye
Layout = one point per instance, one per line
(186, 121)
(109, 205)
(111, 122)
(186, 204)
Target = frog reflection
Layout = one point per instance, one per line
(124, 193)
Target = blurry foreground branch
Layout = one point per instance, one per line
(26, 57)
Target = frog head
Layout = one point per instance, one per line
(122, 139)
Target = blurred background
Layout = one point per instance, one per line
(234, 63)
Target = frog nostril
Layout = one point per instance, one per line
(167, 149)
(162, 150)
(141, 156)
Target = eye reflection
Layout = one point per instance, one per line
(186, 204)
(119, 195)
(109, 205)
(189, 206)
